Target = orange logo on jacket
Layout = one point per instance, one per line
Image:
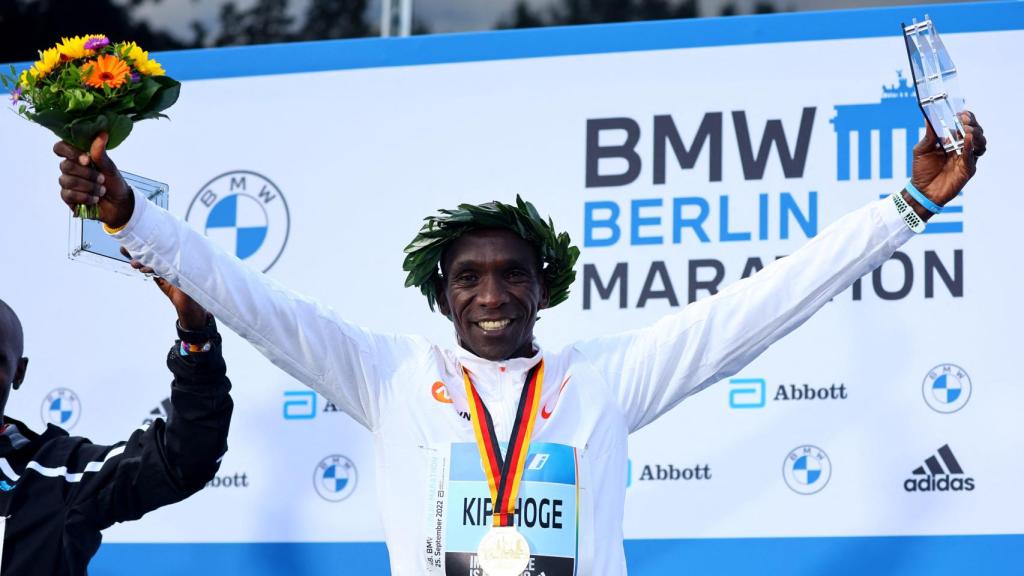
(545, 411)
(440, 393)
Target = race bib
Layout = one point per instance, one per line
(546, 511)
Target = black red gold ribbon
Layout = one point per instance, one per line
(504, 474)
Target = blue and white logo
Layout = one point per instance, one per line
(61, 407)
(746, 392)
(246, 214)
(335, 478)
(299, 405)
(946, 388)
(807, 469)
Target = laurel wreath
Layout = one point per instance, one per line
(556, 253)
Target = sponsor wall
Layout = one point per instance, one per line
(681, 156)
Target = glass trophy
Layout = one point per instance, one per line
(89, 243)
(935, 81)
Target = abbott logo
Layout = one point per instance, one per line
(299, 405)
(746, 392)
(752, 392)
(932, 477)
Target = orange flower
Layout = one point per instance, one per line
(106, 69)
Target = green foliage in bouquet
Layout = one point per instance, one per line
(87, 85)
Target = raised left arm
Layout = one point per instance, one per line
(652, 369)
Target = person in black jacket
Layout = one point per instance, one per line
(57, 492)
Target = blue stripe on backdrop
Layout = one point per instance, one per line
(297, 57)
(895, 555)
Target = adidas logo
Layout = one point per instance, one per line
(164, 410)
(942, 474)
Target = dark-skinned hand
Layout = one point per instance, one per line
(191, 316)
(92, 178)
(941, 176)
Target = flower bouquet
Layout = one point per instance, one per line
(87, 85)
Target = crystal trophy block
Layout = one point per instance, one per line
(89, 243)
(935, 80)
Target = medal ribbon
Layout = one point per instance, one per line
(504, 474)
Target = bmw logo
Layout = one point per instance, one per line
(335, 478)
(807, 469)
(246, 214)
(61, 407)
(946, 388)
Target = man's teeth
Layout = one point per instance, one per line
(493, 324)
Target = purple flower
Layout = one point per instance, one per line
(96, 42)
(15, 94)
(135, 77)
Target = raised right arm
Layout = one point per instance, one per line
(343, 362)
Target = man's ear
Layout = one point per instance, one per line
(441, 289)
(19, 372)
(545, 294)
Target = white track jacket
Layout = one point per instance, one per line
(410, 394)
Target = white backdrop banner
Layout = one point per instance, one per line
(681, 156)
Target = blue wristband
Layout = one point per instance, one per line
(922, 199)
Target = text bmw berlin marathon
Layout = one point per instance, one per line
(622, 216)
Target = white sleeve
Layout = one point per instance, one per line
(344, 363)
(652, 369)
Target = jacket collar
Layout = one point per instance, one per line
(486, 373)
(18, 436)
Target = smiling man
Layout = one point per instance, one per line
(473, 474)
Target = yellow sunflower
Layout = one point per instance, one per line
(48, 60)
(141, 59)
(106, 69)
(75, 48)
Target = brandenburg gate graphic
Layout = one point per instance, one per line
(897, 110)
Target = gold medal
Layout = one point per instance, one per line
(503, 552)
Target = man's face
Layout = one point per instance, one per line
(492, 290)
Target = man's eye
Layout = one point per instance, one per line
(465, 277)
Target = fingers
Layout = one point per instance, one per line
(75, 197)
(65, 150)
(135, 263)
(970, 156)
(98, 154)
(73, 168)
(141, 267)
(977, 133)
(79, 184)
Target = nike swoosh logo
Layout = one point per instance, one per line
(545, 413)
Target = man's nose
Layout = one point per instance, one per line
(493, 291)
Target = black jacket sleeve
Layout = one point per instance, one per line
(168, 461)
